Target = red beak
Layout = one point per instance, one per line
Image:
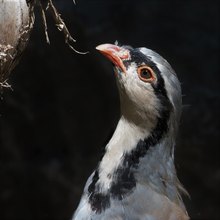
(115, 54)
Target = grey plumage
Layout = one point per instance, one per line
(136, 178)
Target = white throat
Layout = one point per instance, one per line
(152, 168)
(124, 140)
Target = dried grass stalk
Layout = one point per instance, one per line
(61, 26)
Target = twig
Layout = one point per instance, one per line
(62, 26)
(5, 84)
(44, 22)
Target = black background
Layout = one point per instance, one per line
(64, 106)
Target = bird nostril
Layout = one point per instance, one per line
(124, 54)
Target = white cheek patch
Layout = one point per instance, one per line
(128, 77)
(141, 93)
(132, 71)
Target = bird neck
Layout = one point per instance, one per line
(137, 153)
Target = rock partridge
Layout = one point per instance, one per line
(136, 177)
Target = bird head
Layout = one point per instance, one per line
(148, 86)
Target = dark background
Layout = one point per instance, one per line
(64, 106)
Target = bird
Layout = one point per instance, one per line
(136, 177)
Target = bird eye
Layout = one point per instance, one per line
(146, 74)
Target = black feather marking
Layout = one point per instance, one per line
(125, 182)
(99, 202)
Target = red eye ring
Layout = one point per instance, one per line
(146, 74)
